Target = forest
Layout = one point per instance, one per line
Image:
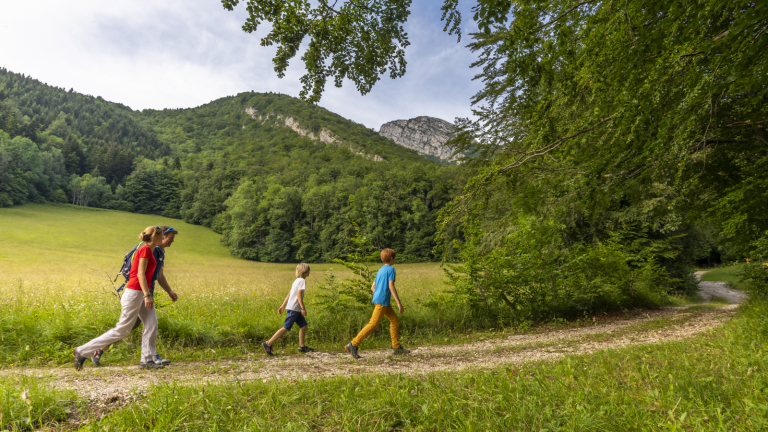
(274, 194)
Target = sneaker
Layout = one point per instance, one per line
(305, 349)
(400, 350)
(150, 365)
(96, 357)
(352, 350)
(78, 360)
(161, 361)
(267, 348)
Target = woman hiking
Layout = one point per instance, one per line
(136, 302)
(169, 236)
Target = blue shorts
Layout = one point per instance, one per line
(294, 318)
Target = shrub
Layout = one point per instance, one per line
(532, 274)
(755, 271)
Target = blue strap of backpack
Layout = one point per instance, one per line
(130, 265)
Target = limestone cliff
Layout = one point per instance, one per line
(324, 135)
(425, 135)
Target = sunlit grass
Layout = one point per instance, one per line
(27, 404)
(56, 287)
(725, 274)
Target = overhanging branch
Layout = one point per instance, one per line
(548, 148)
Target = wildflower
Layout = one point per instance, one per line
(413, 391)
(746, 259)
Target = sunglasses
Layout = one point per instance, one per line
(168, 230)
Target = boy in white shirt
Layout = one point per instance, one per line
(294, 304)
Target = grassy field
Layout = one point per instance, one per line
(56, 288)
(716, 381)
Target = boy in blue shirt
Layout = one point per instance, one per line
(383, 289)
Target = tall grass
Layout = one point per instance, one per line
(56, 290)
(26, 404)
(715, 381)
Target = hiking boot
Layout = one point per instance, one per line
(96, 357)
(150, 365)
(78, 360)
(401, 350)
(352, 350)
(161, 361)
(305, 349)
(267, 348)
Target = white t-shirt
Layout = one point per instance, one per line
(293, 299)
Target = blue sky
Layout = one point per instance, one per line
(184, 53)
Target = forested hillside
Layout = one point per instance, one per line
(281, 196)
(91, 132)
(281, 179)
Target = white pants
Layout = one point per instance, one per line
(132, 306)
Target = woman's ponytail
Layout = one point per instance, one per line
(151, 232)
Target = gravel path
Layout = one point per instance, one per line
(720, 289)
(108, 387)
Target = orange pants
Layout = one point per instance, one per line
(379, 312)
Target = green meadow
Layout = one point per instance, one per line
(55, 283)
(57, 291)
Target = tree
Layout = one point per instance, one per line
(360, 40)
(610, 105)
(26, 173)
(89, 191)
(10, 122)
(75, 160)
(153, 189)
(31, 129)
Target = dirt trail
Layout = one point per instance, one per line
(112, 386)
(720, 289)
(115, 385)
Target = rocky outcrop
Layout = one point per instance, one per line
(426, 135)
(324, 135)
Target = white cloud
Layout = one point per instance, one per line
(186, 53)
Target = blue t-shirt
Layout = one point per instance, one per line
(382, 294)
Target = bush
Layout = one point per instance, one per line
(533, 275)
(756, 273)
